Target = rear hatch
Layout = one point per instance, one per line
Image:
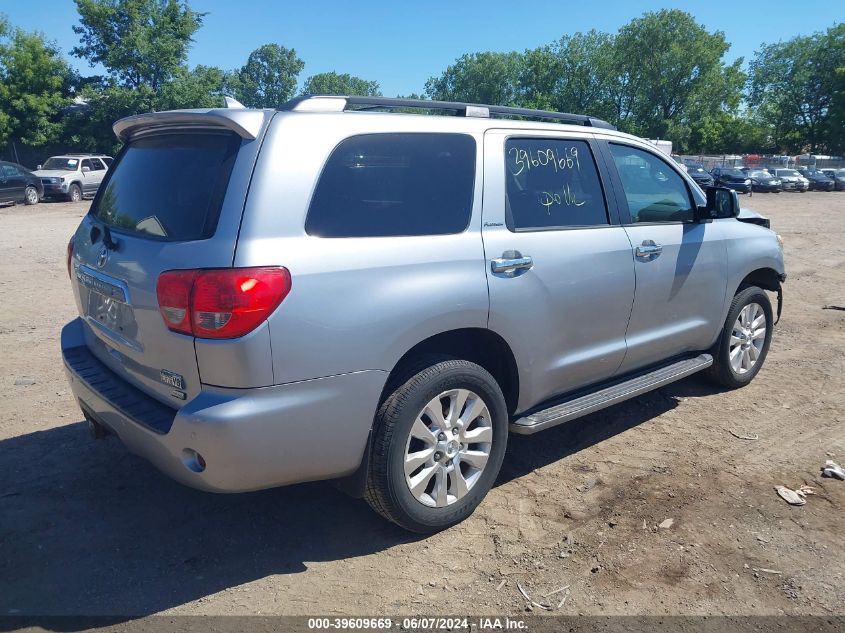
(172, 200)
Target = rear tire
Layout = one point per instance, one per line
(745, 339)
(438, 443)
(74, 194)
(30, 195)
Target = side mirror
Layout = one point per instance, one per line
(39, 167)
(721, 203)
(85, 170)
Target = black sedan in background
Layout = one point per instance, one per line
(18, 184)
(732, 178)
(838, 177)
(818, 181)
(699, 175)
(762, 180)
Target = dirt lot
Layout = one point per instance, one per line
(87, 528)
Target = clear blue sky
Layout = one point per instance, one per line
(401, 44)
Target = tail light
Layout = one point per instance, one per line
(224, 303)
(69, 256)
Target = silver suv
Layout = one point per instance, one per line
(72, 176)
(337, 290)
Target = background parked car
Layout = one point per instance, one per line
(72, 176)
(818, 180)
(791, 180)
(732, 178)
(837, 176)
(762, 180)
(699, 174)
(18, 184)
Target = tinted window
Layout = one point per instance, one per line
(169, 186)
(395, 184)
(86, 163)
(97, 165)
(655, 192)
(551, 183)
(8, 171)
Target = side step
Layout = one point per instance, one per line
(581, 405)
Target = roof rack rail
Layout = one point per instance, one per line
(334, 103)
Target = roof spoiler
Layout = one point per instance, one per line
(245, 123)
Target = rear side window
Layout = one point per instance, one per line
(551, 183)
(169, 186)
(377, 185)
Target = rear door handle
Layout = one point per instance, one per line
(511, 264)
(648, 250)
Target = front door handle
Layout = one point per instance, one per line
(511, 264)
(648, 250)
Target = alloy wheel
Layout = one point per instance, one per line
(747, 338)
(448, 447)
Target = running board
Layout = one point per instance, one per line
(603, 398)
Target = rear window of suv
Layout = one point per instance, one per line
(168, 186)
(377, 185)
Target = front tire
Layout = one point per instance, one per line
(745, 339)
(74, 194)
(438, 443)
(30, 195)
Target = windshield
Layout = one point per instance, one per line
(169, 186)
(759, 173)
(787, 172)
(64, 164)
(733, 172)
(696, 169)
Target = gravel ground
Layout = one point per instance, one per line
(86, 528)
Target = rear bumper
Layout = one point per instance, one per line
(249, 438)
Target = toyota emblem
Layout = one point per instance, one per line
(102, 257)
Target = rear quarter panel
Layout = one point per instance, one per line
(356, 303)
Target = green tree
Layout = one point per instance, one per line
(141, 43)
(491, 78)
(836, 119)
(268, 78)
(332, 83)
(200, 87)
(35, 84)
(570, 75)
(664, 62)
(795, 85)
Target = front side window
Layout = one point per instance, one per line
(552, 183)
(377, 185)
(655, 192)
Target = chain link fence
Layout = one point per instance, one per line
(755, 160)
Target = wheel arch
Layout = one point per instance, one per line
(478, 345)
(766, 278)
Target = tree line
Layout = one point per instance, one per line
(661, 75)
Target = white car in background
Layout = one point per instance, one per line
(72, 176)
